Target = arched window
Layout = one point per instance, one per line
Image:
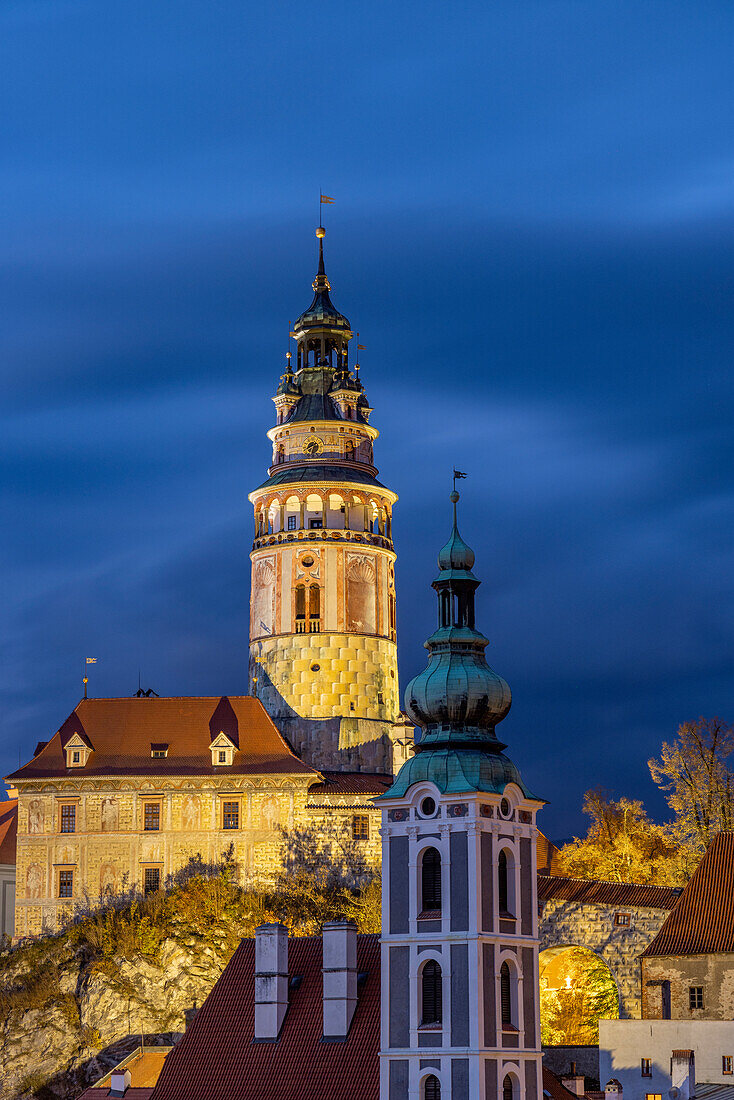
(431, 879)
(431, 999)
(349, 450)
(505, 996)
(300, 609)
(314, 609)
(507, 1089)
(432, 1088)
(502, 880)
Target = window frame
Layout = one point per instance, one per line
(622, 920)
(695, 998)
(235, 802)
(148, 807)
(152, 870)
(727, 1064)
(430, 887)
(645, 1067)
(360, 827)
(431, 971)
(64, 807)
(65, 878)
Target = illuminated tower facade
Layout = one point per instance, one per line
(323, 654)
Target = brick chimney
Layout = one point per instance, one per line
(271, 980)
(340, 978)
(119, 1082)
(682, 1075)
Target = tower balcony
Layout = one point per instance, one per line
(321, 535)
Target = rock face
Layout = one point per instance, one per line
(72, 1027)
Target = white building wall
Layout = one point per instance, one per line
(7, 899)
(624, 1043)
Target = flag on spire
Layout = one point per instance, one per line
(326, 199)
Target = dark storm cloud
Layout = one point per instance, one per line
(534, 237)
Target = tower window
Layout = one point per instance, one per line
(314, 608)
(431, 994)
(292, 523)
(315, 524)
(300, 609)
(506, 996)
(431, 880)
(507, 1089)
(503, 884)
(432, 1088)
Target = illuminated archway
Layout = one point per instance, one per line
(577, 990)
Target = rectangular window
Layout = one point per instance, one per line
(727, 1063)
(152, 817)
(645, 1067)
(66, 884)
(292, 523)
(695, 996)
(68, 819)
(622, 920)
(152, 881)
(315, 524)
(222, 756)
(360, 827)
(230, 815)
(158, 754)
(75, 756)
(653, 1096)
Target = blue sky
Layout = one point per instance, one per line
(533, 234)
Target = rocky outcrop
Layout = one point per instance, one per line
(70, 1026)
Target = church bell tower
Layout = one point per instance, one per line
(323, 654)
(460, 1013)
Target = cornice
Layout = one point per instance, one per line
(200, 784)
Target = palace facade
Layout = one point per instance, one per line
(129, 790)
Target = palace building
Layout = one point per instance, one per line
(323, 651)
(128, 790)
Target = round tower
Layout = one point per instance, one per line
(323, 655)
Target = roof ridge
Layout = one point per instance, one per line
(608, 881)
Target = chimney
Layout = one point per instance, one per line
(682, 1075)
(271, 979)
(340, 978)
(613, 1090)
(119, 1082)
(574, 1082)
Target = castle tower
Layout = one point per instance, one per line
(460, 1012)
(323, 654)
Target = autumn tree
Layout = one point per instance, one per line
(623, 845)
(694, 771)
(583, 993)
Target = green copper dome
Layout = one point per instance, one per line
(458, 700)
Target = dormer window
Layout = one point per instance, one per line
(222, 750)
(159, 751)
(77, 751)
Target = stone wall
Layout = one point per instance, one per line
(568, 924)
(713, 973)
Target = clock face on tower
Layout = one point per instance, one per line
(313, 446)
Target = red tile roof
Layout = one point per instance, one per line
(553, 1087)
(95, 1093)
(592, 891)
(217, 1059)
(121, 731)
(548, 853)
(702, 922)
(8, 830)
(366, 783)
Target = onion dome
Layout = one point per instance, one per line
(322, 312)
(458, 700)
